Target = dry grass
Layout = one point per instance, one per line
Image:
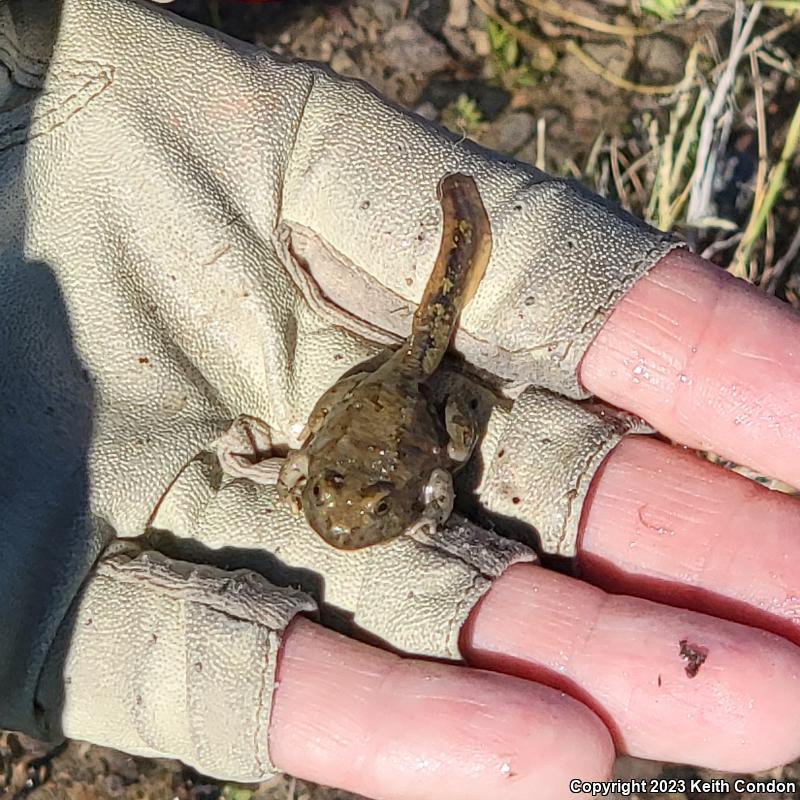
(669, 171)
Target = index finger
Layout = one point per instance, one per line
(708, 360)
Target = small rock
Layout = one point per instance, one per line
(554, 28)
(458, 17)
(114, 785)
(544, 57)
(511, 131)
(385, 11)
(342, 63)
(408, 47)
(662, 58)
(614, 57)
(325, 50)
(361, 16)
(428, 111)
(480, 41)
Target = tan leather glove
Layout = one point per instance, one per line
(194, 230)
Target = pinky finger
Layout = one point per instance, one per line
(352, 716)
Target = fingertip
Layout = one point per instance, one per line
(708, 360)
(589, 752)
(769, 728)
(664, 524)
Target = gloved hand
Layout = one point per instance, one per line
(195, 230)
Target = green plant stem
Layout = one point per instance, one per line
(785, 5)
(759, 215)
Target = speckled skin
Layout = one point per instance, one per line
(379, 455)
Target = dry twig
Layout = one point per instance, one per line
(774, 185)
(778, 272)
(541, 140)
(525, 39)
(706, 160)
(615, 80)
(554, 10)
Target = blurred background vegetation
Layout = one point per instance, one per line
(686, 112)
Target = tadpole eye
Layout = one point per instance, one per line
(382, 507)
(335, 479)
(315, 490)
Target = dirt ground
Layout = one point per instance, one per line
(541, 87)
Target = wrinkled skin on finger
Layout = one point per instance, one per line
(391, 728)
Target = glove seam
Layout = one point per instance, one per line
(292, 147)
(261, 733)
(468, 601)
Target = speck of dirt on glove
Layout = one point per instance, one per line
(694, 655)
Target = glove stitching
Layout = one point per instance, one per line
(292, 147)
(261, 732)
(609, 439)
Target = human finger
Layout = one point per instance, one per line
(670, 684)
(353, 716)
(706, 359)
(661, 523)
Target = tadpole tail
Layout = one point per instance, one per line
(458, 270)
